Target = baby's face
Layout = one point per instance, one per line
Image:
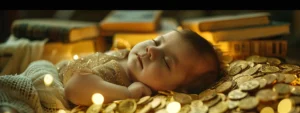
(165, 62)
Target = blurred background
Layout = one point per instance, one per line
(8, 16)
(55, 52)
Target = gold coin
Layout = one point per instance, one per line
(164, 93)
(270, 78)
(296, 110)
(235, 70)
(196, 103)
(201, 109)
(194, 96)
(295, 90)
(281, 88)
(249, 85)
(110, 108)
(78, 109)
(94, 108)
(127, 106)
(259, 74)
(145, 109)
(267, 110)
(274, 61)
(155, 103)
(182, 98)
(285, 106)
(251, 64)
(219, 108)
(262, 82)
(185, 109)
(237, 76)
(289, 66)
(227, 59)
(224, 87)
(290, 78)
(269, 69)
(243, 79)
(165, 111)
(207, 95)
(280, 77)
(232, 104)
(287, 70)
(144, 99)
(163, 103)
(223, 96)
(240, 63)
(213, 101)
(257, 59)
(266, 95)
(252, 70)
(296, 99)
(237, 94)
(248, 103)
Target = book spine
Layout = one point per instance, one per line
(40, 32)
(242, 49)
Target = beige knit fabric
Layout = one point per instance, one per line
(29, 88)
(23, 52)
(27, 93)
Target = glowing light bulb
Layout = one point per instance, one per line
(179, 28)
(48, 79)
(97, 98)
(173, 107)
(75, 57)
(61, 111)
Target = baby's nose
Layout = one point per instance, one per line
(154, 52)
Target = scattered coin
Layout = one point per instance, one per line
(249, 85)
(224, 87)
(127, 106)
(267, 110)
(207, 95)
(255, 85)
(266, 95)
(274, 61)
(282, 89)
(285, 106)
(219, 108)
(237, 94)
(248, 103)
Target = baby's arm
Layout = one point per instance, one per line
(81, 86)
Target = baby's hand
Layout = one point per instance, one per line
(138, 89)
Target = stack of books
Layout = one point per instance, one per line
(66, 38)
(242, 35)
(69, 39)
(129, 27)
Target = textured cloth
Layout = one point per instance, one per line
(104, 65)
(23, 52)
(29, 90)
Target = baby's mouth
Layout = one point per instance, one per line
(140, 60)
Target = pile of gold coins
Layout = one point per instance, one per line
(256, 84)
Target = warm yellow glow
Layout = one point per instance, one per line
(179, 28)
(285, 106)
(173, 107)
(122, 42)
(48, 79)
(75, 57)
(97, 98)
(61, 111)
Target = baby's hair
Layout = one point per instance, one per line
(206, 50)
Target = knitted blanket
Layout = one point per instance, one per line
(27, 92)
